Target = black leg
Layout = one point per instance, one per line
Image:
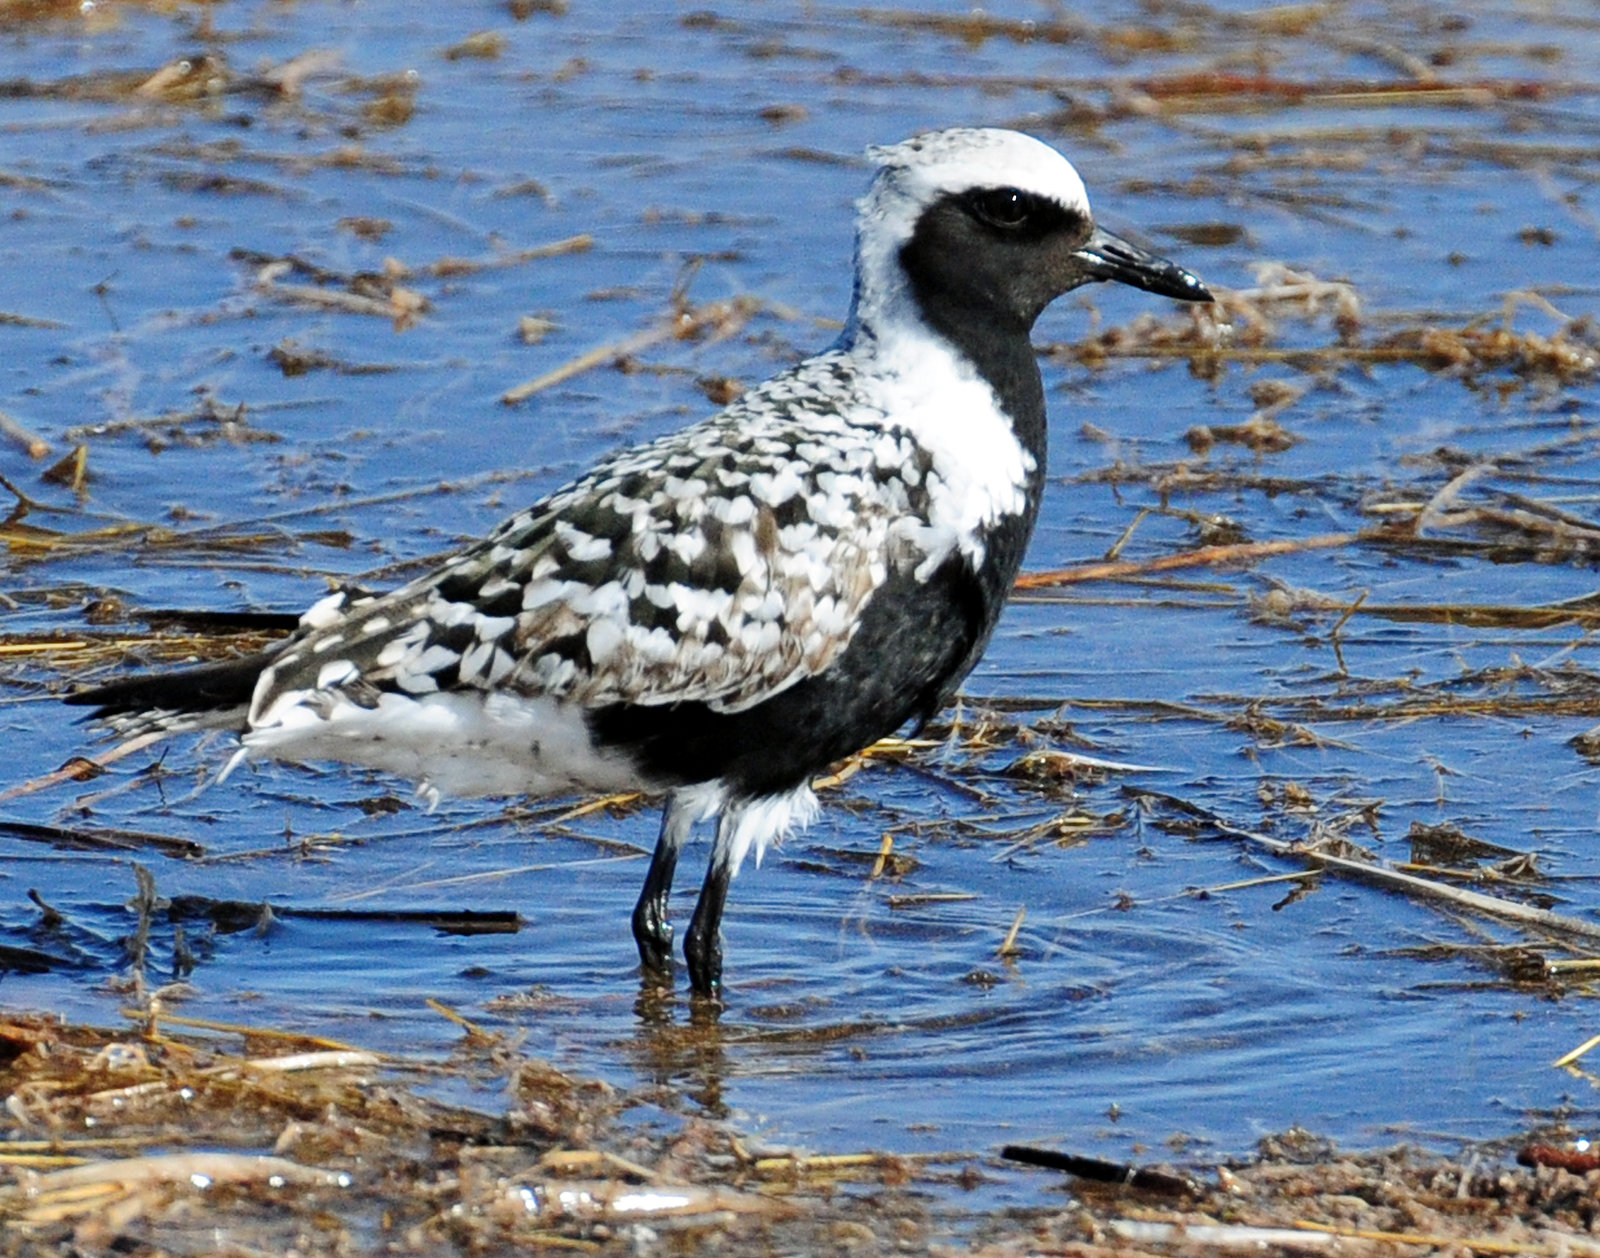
(652, 930)
(702, 947)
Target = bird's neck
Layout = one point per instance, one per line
(885, 318)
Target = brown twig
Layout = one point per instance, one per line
(81, 767)
(726, 316)
(1203, 556)
(1383, 875)
(446, 268)
(35, 445)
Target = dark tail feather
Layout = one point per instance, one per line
(203, 689)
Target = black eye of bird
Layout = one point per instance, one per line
(1008, 209)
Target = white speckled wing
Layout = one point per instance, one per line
(720, 564)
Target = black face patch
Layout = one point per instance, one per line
(1012, 214)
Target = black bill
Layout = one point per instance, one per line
(1110, 257)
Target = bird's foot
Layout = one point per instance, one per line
(653, 934)
(703, 951)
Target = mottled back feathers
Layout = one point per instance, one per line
(720, 565)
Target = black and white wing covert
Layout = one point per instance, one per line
(720, 565)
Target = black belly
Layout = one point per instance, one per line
(916, 642)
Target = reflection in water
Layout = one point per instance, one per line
(687, 1056)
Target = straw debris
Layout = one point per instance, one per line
(163, 1142)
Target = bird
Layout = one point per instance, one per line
(718, 615)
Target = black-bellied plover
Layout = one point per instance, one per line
(724, 612)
